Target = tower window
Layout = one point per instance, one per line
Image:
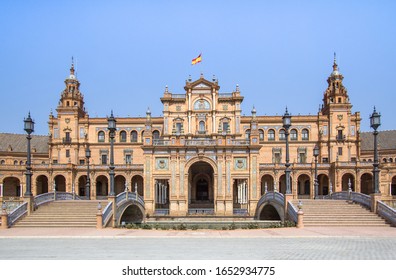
(201, 126)
(156, 135)
(225, 126)
(339, 100)
(67, 153)
(261, 135)
(247, 134)
(340, 151)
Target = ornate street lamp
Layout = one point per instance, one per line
(29, 128)
(112, 128)
(375, 122)
(88, 184)
(286, 125)
(316, 154)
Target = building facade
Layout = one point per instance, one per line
(202, 155)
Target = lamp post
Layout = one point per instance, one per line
(316, 154)
(375, 122)
(88, 184)
(286, 125)
(29, 128)
(112, 128)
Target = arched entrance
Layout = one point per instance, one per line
(393, 186)
(304, 186)
(41, 184)
(119, 184)
(101, 186)
(137, 182)
(282, 184)
(346, 178)
(267, 180)
(366, 183)
(323, 181)
(132, 215)
(12, 187)
(82, 183)
(60, 183)
(269, 213)
(201, 189)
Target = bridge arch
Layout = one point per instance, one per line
(271, 206)
(130, 211)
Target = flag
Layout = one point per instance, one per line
(196, 60)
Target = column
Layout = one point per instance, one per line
(1, 190)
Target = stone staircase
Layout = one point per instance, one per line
(66, 213)
(334, 213)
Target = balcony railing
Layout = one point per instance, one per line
(66, 140)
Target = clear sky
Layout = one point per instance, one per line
(126, 52)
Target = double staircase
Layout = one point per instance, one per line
(66, 213)
(323, 212)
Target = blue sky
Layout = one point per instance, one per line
(126, 52)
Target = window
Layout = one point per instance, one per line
(225, 126)
(293, 134)
(340, 151)
(178, 128)
(2, 161)
(277, 158)
(247, 134)
(340, 135)
(353, 159)
(82, 132)
(302, 158)
(123, 136)
(134, 136)
(67, 153)
(67, 137)
(104, 159)
(55, 161)
(271, 135)
(56, 133)
(15, 162)
(276, 155)
(305, 134)
(282, 134)
(261, 135)
(325, 160)
(128, 159)
(82, 161)
(156, 135)
(101, 136)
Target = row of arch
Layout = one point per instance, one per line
(384, 160)
(123, 136)
(100, 187)
(271, 134)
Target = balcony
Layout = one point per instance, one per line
(66, 141)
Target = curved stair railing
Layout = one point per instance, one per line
(386, 212)
(361, 198)
(17, 213)
(272, 196)
(107, 214)
(48, 197)
(292, 212)
(129, 196)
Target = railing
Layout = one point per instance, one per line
(240, 212)
(201, 211)
(11, 205)
(160, 142)
(47, 197)
(386, 212)
(266, 165)
(339, 195)
(272, 196)
(224, 95)
(360, 198)
(106, 214)
(178, 96)
(210, 142)
(17, 213)
(292, 212)
(131, 196)
(161, 212)
(240, 142)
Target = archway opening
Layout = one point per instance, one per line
(304, 186)
(41, 184)
(366, 183)
(119, 184)
(282, 184)
(137, 182)
(269, 213)
(201, 189)
(101, 187)
(393, 186)
(346, 180)
(132, 215)
(60, 183)
(12, 187)
(267, 180)
(82, 183)
(323, 181)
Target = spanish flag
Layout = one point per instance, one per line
(196, 60)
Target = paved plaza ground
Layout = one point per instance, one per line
(340, 243)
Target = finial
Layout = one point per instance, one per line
(166, 89)
(189, 78)
(148, 112)
(214, 78)
(335, 66)
(201, 75)
(237, 88)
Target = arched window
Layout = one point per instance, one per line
(247, 134)
(293, 134)
(21, 162)
(305, 134)
(261, 135)
(2, 161)
(384, 160)
(134, 136)
(282, 134)
(156, 135)
(101, 136)
(141, 134)
(15, 162)
(271, 135)
(123, 136)
(390, 159)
